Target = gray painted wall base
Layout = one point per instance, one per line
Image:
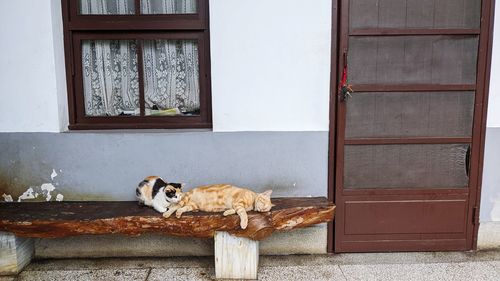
(311, 240)
(108, 166)
(15, 253)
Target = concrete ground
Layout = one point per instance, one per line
(481, 265)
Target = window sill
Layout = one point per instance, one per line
(140, 126)
(138, 131)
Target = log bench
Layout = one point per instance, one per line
(236, 250)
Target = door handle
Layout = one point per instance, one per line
(467, 160)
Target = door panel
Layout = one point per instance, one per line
(406, 217)
(407, 143)
(414, 14)
(412, 59)
(409, 114)
(406, 166)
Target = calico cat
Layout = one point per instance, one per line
(155, 192)
(222, 198)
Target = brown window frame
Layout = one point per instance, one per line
(134, 27)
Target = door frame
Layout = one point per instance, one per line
(339, 30)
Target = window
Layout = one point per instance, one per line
(137, 63)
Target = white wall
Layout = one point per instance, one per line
(270, 64)
(59, 62)
(490, 193)
(494, 97)
(28, 84)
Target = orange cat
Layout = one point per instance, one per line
(222, 198)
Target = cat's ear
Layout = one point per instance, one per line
(267, 193)
(182, 185)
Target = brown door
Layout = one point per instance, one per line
(408, 143)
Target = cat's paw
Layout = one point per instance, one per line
(228, 212)
(167, 214)
(244, 224)
(178, 214)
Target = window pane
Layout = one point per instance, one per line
(107, 7)
(407, 165)
(110, 77)
(171, 77)
(169, 6)
(425, 114)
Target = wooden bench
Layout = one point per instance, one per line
(236, 250)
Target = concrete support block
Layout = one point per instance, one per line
(489, 236)
(235, 257)
(15, 253)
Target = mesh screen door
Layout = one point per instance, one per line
(408, 139)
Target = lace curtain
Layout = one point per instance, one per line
(168, 6)
(110, 77)
(110, 71)
(107, 7)
(171, 77)
(127, 7)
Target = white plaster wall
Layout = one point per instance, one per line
(270, 64)
(494, 97)
(59, 62)
(28, 85)
(490, 191)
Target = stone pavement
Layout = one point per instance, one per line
(443, 266)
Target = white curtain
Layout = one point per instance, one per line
(127, 7)
(171, 77)
(110, 77)
(107, 7)
(168, 6)
(110, 72)
(171, 67)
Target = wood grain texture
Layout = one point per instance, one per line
(62, 219)
(235, 257)
(15, 253)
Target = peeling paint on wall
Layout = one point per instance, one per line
(34, 191)
(28, 194)
(48, 188)
(53, 175)
(7, 197)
